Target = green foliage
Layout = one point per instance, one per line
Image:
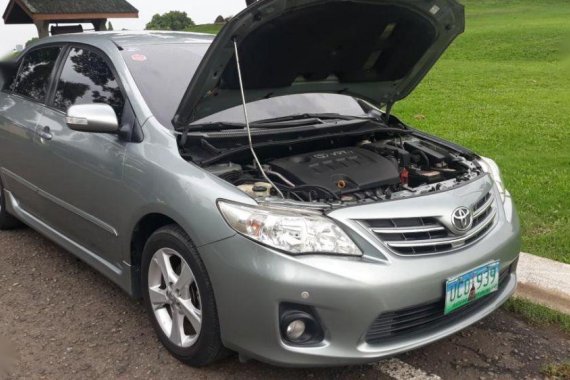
(31, 40)
(110, 26)
(173, 20)
(503, 90)
(538, 315)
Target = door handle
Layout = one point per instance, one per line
(45, 134)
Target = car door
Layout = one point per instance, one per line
(81, 173)
(21, 108)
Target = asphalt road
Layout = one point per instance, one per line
(60, 319)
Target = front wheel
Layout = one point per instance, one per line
(179, 298)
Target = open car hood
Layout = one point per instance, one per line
(376, 50)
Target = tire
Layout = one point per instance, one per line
(7, 221)
(183, 312)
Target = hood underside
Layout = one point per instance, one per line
(374, 50)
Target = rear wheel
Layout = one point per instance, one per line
(7, 221)
(179, 298)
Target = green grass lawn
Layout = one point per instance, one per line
(205, 28)
(538, 315)
(503, 90)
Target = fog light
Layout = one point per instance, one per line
(299, 325)
(295, 330)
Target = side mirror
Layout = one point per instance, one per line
(94, 118)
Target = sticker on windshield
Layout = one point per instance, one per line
(138, 57)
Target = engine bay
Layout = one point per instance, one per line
(339, 169)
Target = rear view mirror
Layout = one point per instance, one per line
(94, 118)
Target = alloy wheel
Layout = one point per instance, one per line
(175, 297)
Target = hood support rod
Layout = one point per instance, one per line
(389, 106)
(247, 124)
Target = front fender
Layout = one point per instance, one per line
(160, 181)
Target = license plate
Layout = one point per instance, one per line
(471, 286)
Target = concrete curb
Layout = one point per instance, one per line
(544, 281)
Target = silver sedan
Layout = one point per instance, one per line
(255, 188)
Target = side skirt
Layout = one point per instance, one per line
(116, 274)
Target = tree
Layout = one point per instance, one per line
(110, 26)
(220, 20)
(173, 20)
(31, 40)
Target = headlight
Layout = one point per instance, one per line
(489, 166)
(292, 231)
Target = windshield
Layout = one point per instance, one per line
(163, 73)
(289, 105)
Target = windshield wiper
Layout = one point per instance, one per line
(214, 126)
(296, 120)
(303, 117)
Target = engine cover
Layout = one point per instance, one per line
(339, 170)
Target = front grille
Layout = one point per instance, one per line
(398, 324)
(427, 235)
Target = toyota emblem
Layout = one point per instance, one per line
(462, 219)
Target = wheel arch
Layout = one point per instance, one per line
(142, 231)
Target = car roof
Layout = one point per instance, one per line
(130, 38)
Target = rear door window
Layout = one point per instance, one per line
(35, 72)
(86, 79)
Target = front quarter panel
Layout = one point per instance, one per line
(161, 181)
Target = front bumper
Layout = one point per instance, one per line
(251, 281)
